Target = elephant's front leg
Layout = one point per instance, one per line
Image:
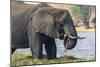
(51, 49)
(35, 42)
(36, 46)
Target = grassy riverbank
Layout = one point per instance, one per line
(25, 58)
(20, 58)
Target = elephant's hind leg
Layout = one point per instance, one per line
(36, 50)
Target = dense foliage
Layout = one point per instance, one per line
(82, 12)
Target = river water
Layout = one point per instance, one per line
(85, 48)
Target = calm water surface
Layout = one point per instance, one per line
(85, 48)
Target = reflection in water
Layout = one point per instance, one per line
(85, 48)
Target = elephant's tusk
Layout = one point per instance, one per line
(72, 37)
(81, 37)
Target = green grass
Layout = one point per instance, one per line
(20, 59)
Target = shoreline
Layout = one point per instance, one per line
(82, 29)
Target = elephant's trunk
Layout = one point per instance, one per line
(71, 34)
(70, 39)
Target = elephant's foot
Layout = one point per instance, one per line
(51, 54)
(40, 57)
(50, 47)
(50, 58)
(35, 56)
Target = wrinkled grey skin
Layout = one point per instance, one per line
(55, 23)
(41, 24)
(20, 16)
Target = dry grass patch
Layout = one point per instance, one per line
(20, 59)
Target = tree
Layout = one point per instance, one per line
(85, 13)
(81, 12)
(75, 10)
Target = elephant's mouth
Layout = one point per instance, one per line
(61, 36)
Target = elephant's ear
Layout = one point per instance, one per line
(44, 24)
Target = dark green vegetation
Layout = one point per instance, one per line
(82, 13)
(19, 58)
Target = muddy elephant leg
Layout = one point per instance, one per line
(50, 48)
(13, 50)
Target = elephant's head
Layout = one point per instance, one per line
(56, 23)
(66, 28)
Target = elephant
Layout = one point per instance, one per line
(42, 24)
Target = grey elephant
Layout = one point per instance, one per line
(41, 25)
